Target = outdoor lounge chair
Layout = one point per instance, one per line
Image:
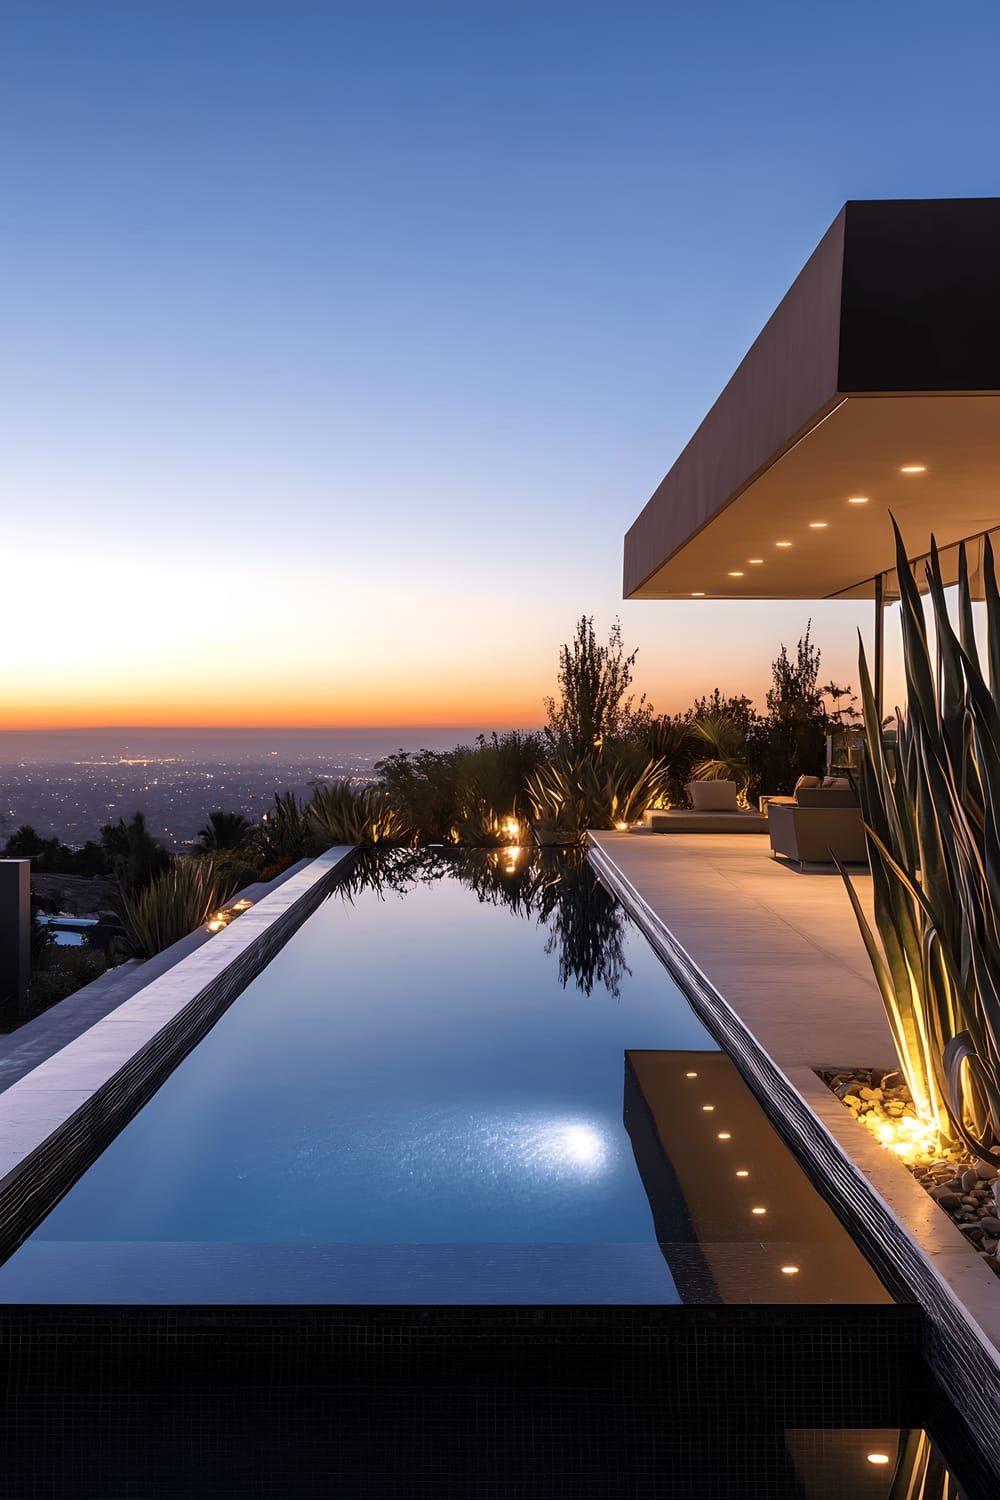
(714, 809)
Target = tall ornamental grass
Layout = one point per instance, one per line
(932, 810)
(173, 904)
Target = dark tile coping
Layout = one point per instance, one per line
(909, 1258)
(56, 1119)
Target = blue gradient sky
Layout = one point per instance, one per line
(342, 342)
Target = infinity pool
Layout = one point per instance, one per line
(426, 1096)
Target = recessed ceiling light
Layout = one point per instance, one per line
(743, 1172)
(878, 1458)
(782, 544)
(857, 499)
(724, 1135)
(690, 1075)
(817, 525)
(913, 469)
(789, 1270)
(708, 1108)
(758, 1210)
(735, 573)
(755, 560)
(697, 593)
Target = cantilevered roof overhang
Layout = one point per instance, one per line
(884, 355)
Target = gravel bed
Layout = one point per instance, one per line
(965, 1189)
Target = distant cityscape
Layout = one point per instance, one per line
(67, 785)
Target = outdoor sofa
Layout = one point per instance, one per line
(821, 825)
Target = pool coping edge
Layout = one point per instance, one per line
(56, 1118)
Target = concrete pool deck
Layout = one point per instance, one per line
(773, 962)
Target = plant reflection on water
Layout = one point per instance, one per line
(554, 887)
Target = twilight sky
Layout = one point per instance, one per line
(342, 342)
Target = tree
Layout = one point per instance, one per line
(224, 830)
(594, 703)
(790, 740)
(136, 856)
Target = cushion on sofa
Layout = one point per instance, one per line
(807, 781)
(826, 797)
(712, 796)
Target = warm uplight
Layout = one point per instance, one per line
(511, 828)
(243, 905)
(878, 1458)
(743, 1172)
(216, 924)
(724, 1135)
(818, 525)
(857, 499)
(622, 827)
(708, 1108)
(789, 1270)
(913, 469)
(758, 1210)
(782, 544)
(912, 1139)
(735, 573)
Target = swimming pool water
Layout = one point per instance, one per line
(420, 1098)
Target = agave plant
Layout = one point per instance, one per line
(341, 813)
(593, 791)
(173, 904)
(932, 812)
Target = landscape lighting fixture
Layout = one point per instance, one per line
(913, 469)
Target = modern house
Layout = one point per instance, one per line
(874, 387)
